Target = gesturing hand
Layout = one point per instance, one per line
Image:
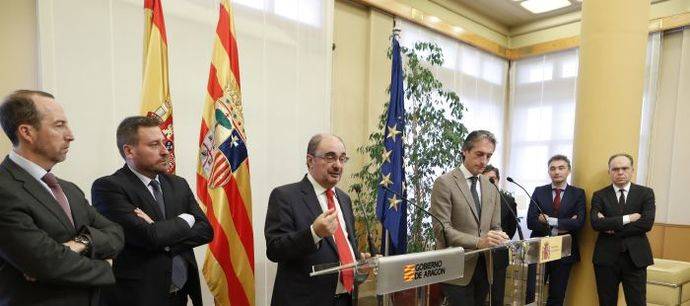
(326, 223)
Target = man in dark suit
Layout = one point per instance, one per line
(622, 213)
(161, 219)
(311, 223)
(509, 226)
(55, 249)
(563, 208)
(469, 208)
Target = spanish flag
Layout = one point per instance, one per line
(156, 91)
(223, 174)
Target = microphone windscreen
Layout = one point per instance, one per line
(510, 179)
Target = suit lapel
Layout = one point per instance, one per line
(166, 187)
(143, 192)
(613, 199)
(461, 181)
(630, 203)
(313, 206)
(37, 191)
(79, 216)
(485, 200)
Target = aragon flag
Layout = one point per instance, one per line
(223, 174)
(156, 91)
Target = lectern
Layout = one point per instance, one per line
(400, 272)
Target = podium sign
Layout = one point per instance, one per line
(407, 271)
(550, 248)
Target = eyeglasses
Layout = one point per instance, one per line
(331, 158)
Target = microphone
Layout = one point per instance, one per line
(517, 221)
(510, 179)
(370, 239)
(443, 227)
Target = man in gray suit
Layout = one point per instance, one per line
(470, 210)
(55, 249)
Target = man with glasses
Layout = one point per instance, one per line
(622, 213)
(311, 223)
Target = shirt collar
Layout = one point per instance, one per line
(32, 168)
(144, 179)
(317, 187)
(466, 172)
(563, 189)
(626, 188)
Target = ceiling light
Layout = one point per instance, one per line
(541, 6)
(434, 19)
(458, 29)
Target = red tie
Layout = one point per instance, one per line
(347, 276)
(59, 195)
(557, 202)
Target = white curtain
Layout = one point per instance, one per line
(91, 59)
(669, 135)
(479, 79)
(542, 114)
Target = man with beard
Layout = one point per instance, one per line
(563, 207)
(161, 219)
(55, 249)
(311, 223)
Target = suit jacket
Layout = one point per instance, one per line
(452, 203)
(291, 211)
(144, 268)
(632, 236)
(572, 204)
(33, 227)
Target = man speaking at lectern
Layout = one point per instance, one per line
(311, 223)
(470, 209)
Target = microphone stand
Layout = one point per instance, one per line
(517, 221)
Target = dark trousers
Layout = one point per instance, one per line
(474, 294)
(498, 287)
(634, 281)
(179, 298)
(344, 299)
(557, 273)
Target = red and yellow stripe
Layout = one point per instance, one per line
(155, 88)
(229, 265)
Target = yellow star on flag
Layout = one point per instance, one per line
(393, 202)
(387, 155)
(393, 131)
(386, 180)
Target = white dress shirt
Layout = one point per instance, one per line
(32, 168)
(147, 182)
(626, 190)
(468, 175)
(323, 202)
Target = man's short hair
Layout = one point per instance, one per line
(490, 168)
(476, 136)
(630, 158)
(19, 108)
(315, 140)
(559, 157)
(128, 131)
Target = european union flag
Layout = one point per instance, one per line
(391, 207)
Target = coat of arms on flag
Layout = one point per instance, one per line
(223, 148)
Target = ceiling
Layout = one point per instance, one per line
(510, 13)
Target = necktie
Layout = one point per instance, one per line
(475, 195)
(557, 202)
(621, 199)
(179, 266)
(347, 276)
(59, 195)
